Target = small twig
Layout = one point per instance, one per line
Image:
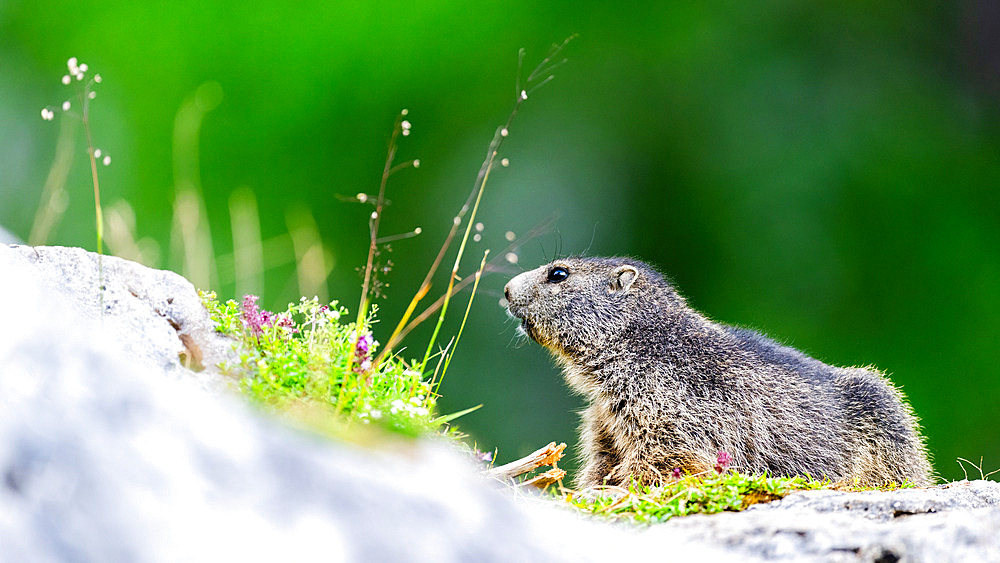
(545, 479)
(549, 455)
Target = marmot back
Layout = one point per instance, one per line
(667, 388)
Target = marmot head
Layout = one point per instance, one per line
(575, 305)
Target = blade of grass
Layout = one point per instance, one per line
(450, 417)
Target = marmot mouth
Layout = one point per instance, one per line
(529, 329)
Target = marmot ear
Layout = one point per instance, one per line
(623, 278)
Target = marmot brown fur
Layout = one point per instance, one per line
(668, 388)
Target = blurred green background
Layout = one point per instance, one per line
(824, 172)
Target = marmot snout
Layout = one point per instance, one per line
(667, 388)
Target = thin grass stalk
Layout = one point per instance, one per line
(481, 179)
(468, 307)
(373, 231)
(491, 265)
(425, 286)
(99, 216)
(454, 269)
(93, 173)
(543, 69)
(437, 369)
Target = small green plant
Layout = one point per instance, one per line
(77, 73)
(715, 491)
(301, 357)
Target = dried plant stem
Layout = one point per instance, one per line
(373, 225)
(425, 286)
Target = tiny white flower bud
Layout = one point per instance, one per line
(66, 79)
(510, 236)
(457, 220)
(83, 67)
(374, 215)
(48, 114)
(416, 163)
(362, 197)
(417, 231)
(65, 105)
(511, 257)
(405, 124)
(477, 237)
(524, 94)
(480, 226)
(406, 132)
(107, 160)
(97, 153)
(97, 78)
(504, 162)
(404, 112)
(92, 95)
(503, 132)
(79, 76)
(71, 65)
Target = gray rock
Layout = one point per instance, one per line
(155, 315)
(110, 450)
(955, 522)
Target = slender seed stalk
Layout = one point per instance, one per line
(425, 286)
(468, 307)
(373, 225)
(491, 265)
(99, 215)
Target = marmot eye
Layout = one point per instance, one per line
(557, 274)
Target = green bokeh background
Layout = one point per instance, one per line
(825, 172)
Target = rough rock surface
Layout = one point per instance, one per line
(955, 522)
(155, 315)
(103, 458)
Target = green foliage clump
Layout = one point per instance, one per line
(694, 494)
(306, 356)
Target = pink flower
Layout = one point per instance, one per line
(722, 462)
(677, 473)
(254, 318)
(362, 349)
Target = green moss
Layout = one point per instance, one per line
(697, 494)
